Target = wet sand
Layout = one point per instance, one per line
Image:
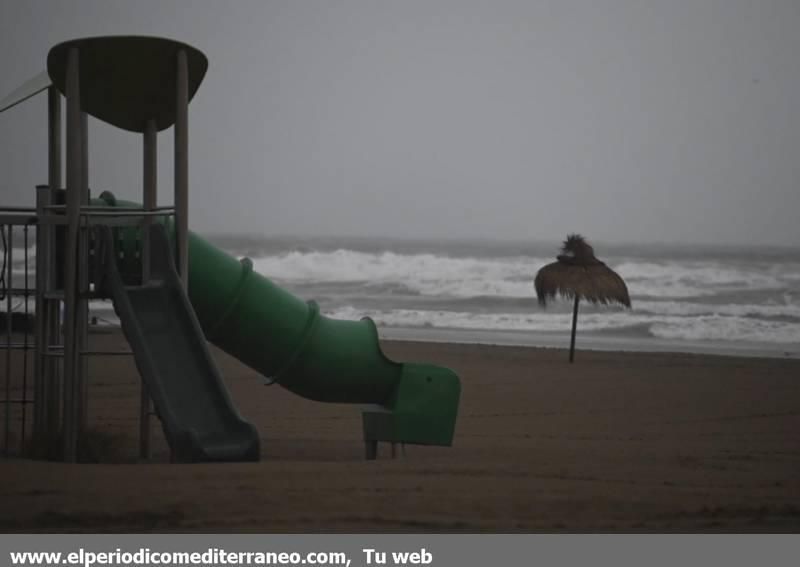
(614, 442)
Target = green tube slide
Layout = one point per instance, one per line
(290, 342)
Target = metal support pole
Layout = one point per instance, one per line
(25, 343)
(150, 202)
(74, 182)
(40, 328)
(9, 329)
(182, 166)
(181, 197)
(150, 191)
(85, 156)
(53, 367)
(53, 138)
(574, 328)
(82, 329)
(43, 369)
(51, 390)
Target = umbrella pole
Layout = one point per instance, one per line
(574, 327)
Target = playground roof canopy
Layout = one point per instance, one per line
(128, 80)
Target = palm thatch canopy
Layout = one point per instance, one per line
(579, 273)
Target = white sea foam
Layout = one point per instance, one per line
(694, 279)
(721, 328)
(427, 274)
(722, 298)
(711, 327)
(512, 277)
(787, 310)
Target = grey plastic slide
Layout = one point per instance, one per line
(198, 417)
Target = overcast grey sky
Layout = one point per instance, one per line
(667, 121)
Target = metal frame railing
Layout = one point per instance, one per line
(14, 396)
(45, 390)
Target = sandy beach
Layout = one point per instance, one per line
(614, 442)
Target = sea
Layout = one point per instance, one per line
(704, 299)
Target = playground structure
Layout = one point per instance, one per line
(172, 290)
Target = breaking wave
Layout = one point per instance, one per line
(706, 327)
(461, 277)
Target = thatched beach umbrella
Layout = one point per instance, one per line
(579, 275)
